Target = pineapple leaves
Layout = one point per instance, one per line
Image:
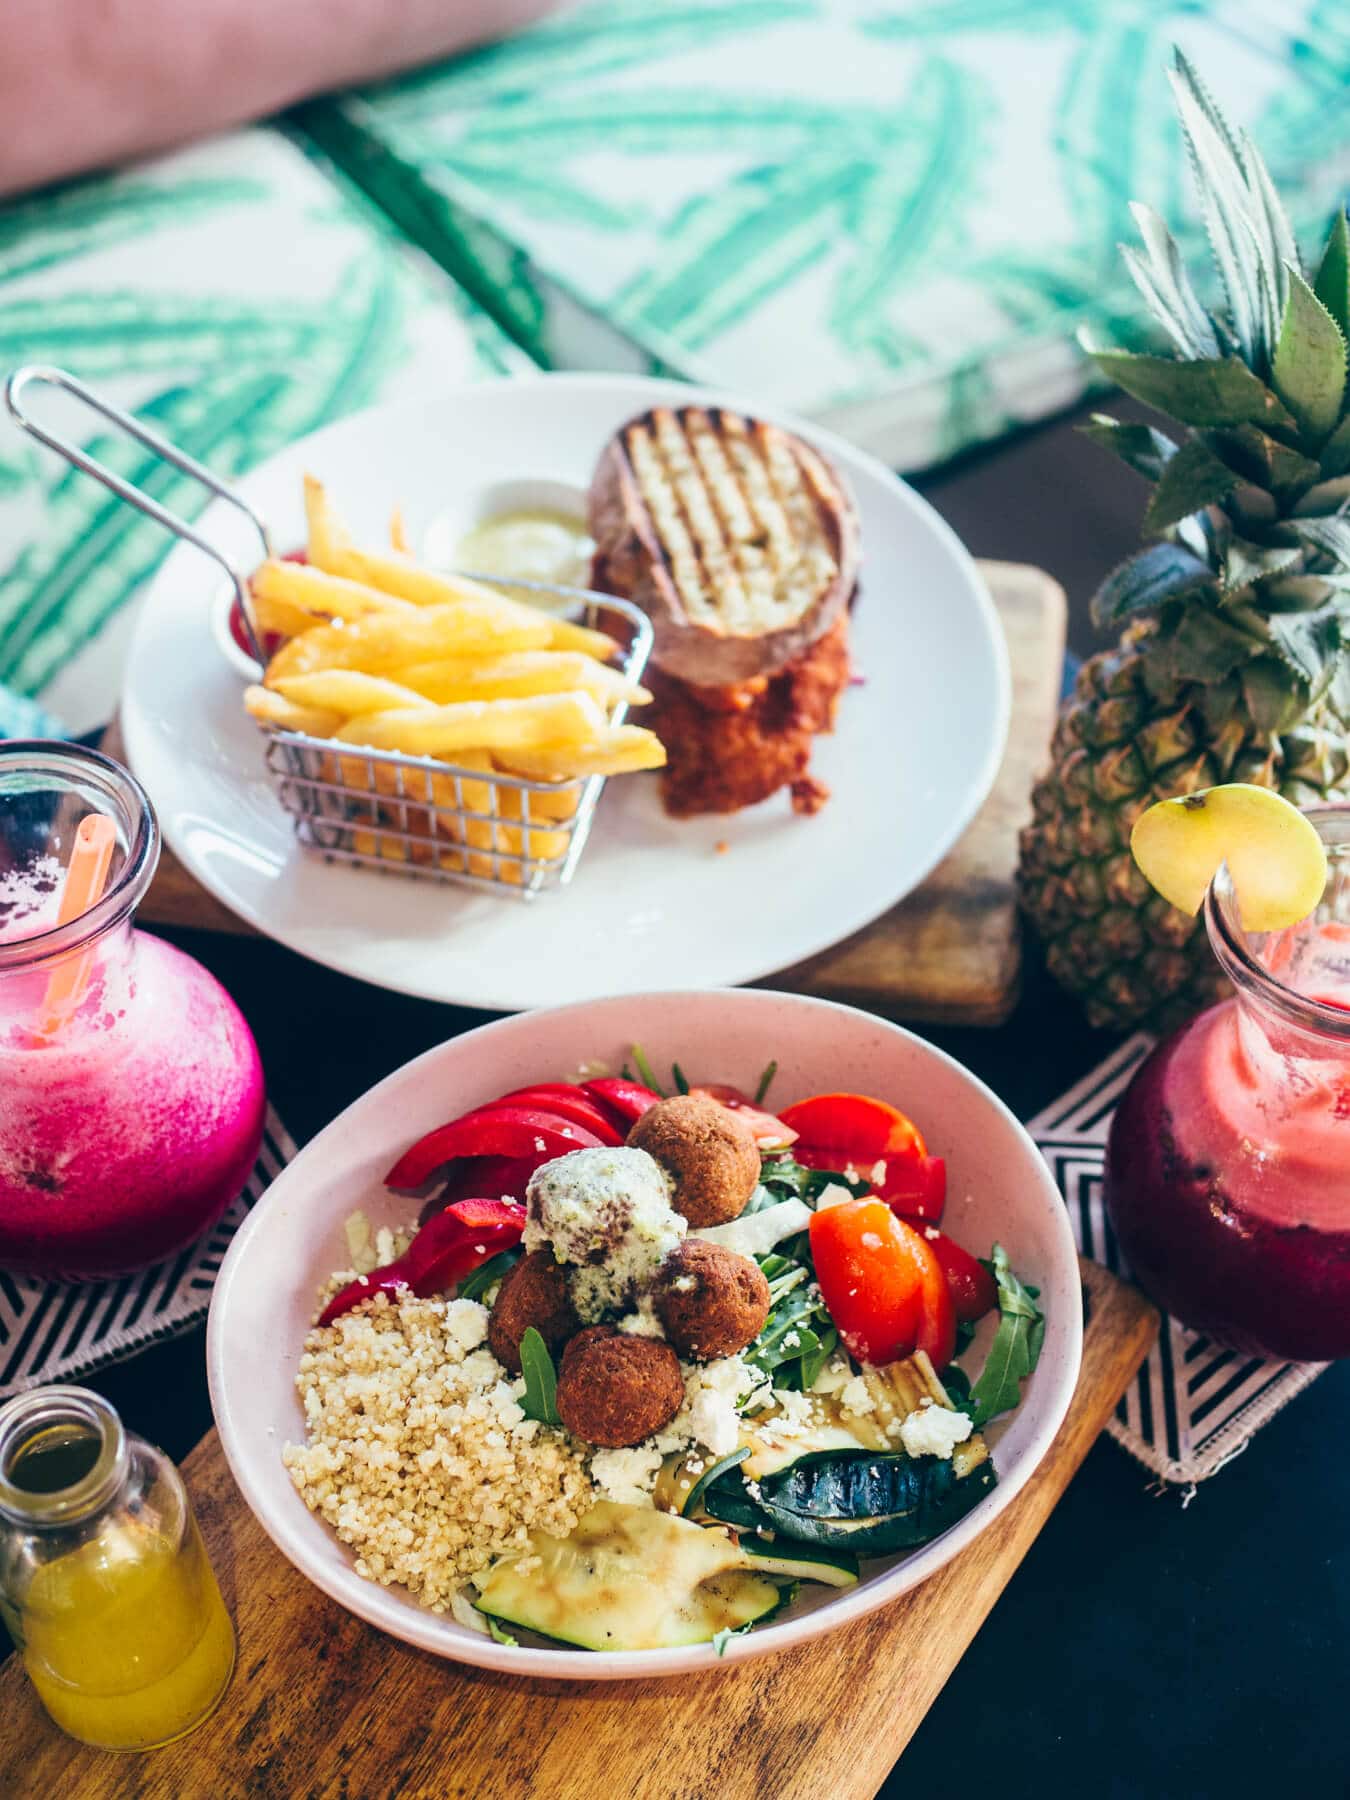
(1309, 643)
(1332, 285)
(1193, 479)
(1161, 278)
(1308, 371)
(1275, 702)
(1224, 392)
(1205, 647)
(1146, 581)
(1229, 210)
(1139, 447)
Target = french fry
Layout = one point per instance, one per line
(520, 673)
(542, 844)
(386, 641)
(280, 616)
(398, 533)
(507, 725)
(393, 572)
(317, 593)
(616, 750)
(286, 714)
(349, 691)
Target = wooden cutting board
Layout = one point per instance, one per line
(949, 954)
(325, 1707)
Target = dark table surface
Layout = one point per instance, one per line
(1145, 1647)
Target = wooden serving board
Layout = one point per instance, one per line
(951, 953)
(325, 1707)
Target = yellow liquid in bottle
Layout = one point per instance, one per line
(127, 1639)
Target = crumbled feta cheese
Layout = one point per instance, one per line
(466, 1323)
(792, 1340)
(878, 1175)
(642, 1321)
(934, 1431)
(856, 1397)
(833, 1195)
(755, 1234)
(715, 1395)
(385, 1251)
(931, 1232)
(626, 1476)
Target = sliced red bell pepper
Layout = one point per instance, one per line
(569, 1103)
(515, 1131)
(972, 1287)
(501, 1177)
(443, 1252)
(770, 1131)
(626, 1100)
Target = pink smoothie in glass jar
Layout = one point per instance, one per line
(130, 1123)
(1228, 1165)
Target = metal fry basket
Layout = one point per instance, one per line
(476, 826)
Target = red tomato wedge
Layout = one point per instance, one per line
(870, 1276)
(937, 1313)
(971, 1286)
(514, 1131)
(568, 1103)
(626, 1100)
(913, 1186)
(835, 1131)
(770, 1131)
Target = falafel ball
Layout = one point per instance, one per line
(711, 1301)
(615, 1390)
(707, 1150)
(533, 1292)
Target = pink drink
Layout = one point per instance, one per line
(1228, 1168)
(128, 1129)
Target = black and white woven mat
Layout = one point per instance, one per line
(1194, 1405)
(58, 1331)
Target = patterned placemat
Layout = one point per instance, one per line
(57, 1331)
(1194, 1405)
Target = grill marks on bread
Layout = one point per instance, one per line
(740, 518)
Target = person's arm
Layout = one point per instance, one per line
(88, 83)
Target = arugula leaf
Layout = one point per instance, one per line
(541, 1383)
(791, 1180)
(765, 1082)
(1016, 1346)
(475, 1285)
(678, 1076)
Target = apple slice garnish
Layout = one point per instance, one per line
(1276, 859)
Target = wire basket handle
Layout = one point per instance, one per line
(41, 375)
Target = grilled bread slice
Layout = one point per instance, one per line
(737, 539)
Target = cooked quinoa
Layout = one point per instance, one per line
(417, 1452)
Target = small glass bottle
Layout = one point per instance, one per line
(1227, 1173)
(104, 1582)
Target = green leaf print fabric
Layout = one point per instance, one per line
(237, 294)
(888, 214)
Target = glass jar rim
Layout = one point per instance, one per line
(1241, 964)
(40, 1409)
(126, 797)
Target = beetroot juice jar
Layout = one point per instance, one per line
(1228, 1166)
(131, 1095)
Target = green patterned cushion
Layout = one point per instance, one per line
(237, 295)
(887, 215)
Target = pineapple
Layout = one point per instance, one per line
(1234, 664)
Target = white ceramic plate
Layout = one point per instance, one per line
(654, 903)
(264, 1298)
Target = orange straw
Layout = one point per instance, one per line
(86, 878)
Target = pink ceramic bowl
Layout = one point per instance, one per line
(999, 1188)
